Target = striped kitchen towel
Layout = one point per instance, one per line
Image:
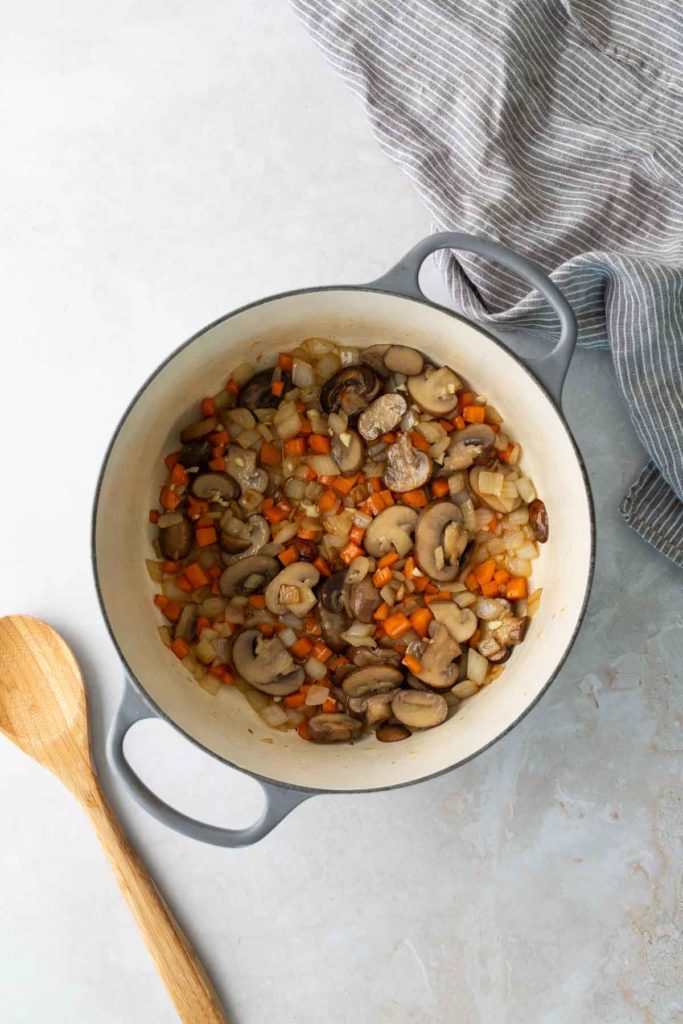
(556, 127)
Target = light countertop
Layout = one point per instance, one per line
(164, 163)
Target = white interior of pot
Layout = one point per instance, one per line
(225, 724)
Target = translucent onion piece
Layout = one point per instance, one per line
(525, 489)
(477, 666)
(314, 668)
(519, 566)
(303, 374)
(317, 695)
(274, 715)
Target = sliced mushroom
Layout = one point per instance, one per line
(498, 504)
(488, 646)
(461, 623)
(241, 465)
(248, 575)
(438, 666)
(467, 446)
(511, 631)
(392, 733)
(348, 451)
(374, 358)
(350, 389)
(362, 599)
(266, 664)
(373, 708)
(373, 679)
(538, 517)
(334, 728)
(382, 415)
(257, 393)
(199, 429)
(419, 710)
(407, 467)
(402, 359)
(176, 541)
(215, 487)
(292, 590)
(501, 655)
(257, 536)
(184, 627)
(331, 592)
(195, 453)
(364, 656)
(440, 539)
(435, 390)
(333, 625)
(391, 531)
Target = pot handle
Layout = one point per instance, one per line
(550, 368)
(279, 801)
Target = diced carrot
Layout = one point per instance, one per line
(516, 589)
(376, 503)
(161, 600)
(215, 589)
(305, 426)
(274, 514)
(328, 500)
(382, 576)
(204, 521)
(495, 427)
(312, 626)
(400, 649)
(337, 662)
(196, 575)
(349, 552)
(474, 413)
(419, 441)
(356, 534)
(301, 408)
(321, 651)
(208, 407)
(169, 499)
(504, 456)
(387, 560)
(302, 648)
(171, 566)
(322, 565)
(303, 730)
(421, 583)
(493, 525)
(382, 612)
(431, 588)
(412, 664)
(182, 583)
(295, 446)
(171, 460)
(308, 533)
(206, 535)
(343, 484)
(267, 628)
(277, 387)
(329, 706)
(501, 576)
(440, 595)
(396, 625)
(180, 648)
(179, 475)
(172, 610)
(387, 497)
(484, 571)
(420, 620)
(447, 425)
(153, 516)
(220, 437)
(196, 508)
(228, 677)
(202, 623)
(218, 451)
(269, 454)
(490, 589)
(374, 483)
(416, 498)
(439, 488)
(471, 582)
(257, 601)
(285, 362)
(289, 555)
(214, 571)
(216, 670)
(319, 443)
(459, 423)
(465, 398)
(295, 700)
(218, 464)
(233, 387)
(474, 639)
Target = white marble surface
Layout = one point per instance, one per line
(164, 163)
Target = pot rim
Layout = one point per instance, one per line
(160, 713)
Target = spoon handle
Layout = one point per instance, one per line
(188, 985)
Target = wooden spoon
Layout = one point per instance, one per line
(43, 711)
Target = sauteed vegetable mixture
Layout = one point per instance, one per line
(347, 537)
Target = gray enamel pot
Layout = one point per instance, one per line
(391, 309)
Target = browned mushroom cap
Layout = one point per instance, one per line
(374, 358)
(331, 592)
(407, 468)
(333, 624)
(382, 415)
(373, 708)
(348, 451)
(440, 539)
(195, 453)
(241, 466)
(391, 531)
(199, 429)
(176, 541)
(257, 393)
(461, 623)
(292, 590)
(435, 390)
(334, 728)
(419, 710)
(362, 599)
(266, 664)
(350, 389)
(248, 575)
(252, 536)
(504, 503)
(364, 656)
(402, 359)
(511, 631)
(392, 733)
(468, 445)
(373, 679)
(438, 666)
(184, 627)
(215, 487)
(538, 517)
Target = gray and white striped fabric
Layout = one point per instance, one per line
(556, 127)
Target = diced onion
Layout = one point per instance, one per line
(528, 551)
(534, 602)
(467, 688)
(285, 531)
(520, 517)
(387, 594)
(242, 373)
(525, 489)
(467, 509)
(242, 418)
(317, 695)
(466, 599)
(287, 636)
(291, 620)
(295, 489)
(477, 666)
(317, 347)
(482, 518)
(519, 566)
(328, 365)
(169, 519)
(487, 608)
(315, 668)
(303, 374)
(274, 715)
(154, 569)
(323, 465)
(491, 483)
(337, 422)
